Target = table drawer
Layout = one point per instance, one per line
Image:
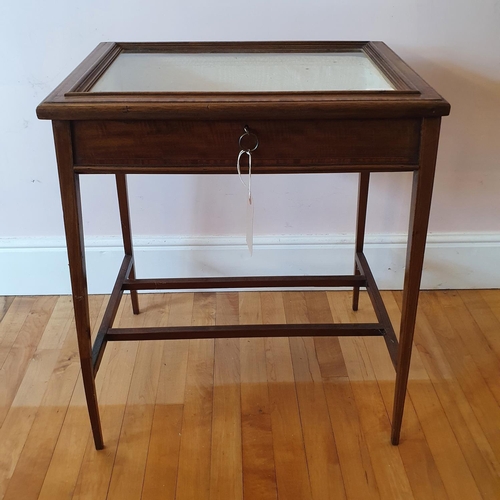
(212, 146)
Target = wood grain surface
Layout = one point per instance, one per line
(212, 146)
(273, 419)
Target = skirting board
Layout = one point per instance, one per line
(38, 266)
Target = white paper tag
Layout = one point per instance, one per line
(249, 199)
(250, 224)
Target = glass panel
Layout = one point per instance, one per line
(226, 72)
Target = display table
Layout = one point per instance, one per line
(300, 107)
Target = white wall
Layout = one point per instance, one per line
(454, 45)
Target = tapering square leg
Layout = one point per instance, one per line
(71, 204)
(364, 182)
(423, 180)
(121, 188)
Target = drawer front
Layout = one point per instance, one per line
(212, 146)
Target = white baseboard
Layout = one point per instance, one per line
(38, 266)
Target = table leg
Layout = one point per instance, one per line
(364, 181)
(72, 213)
(121, 188)
(423, 180)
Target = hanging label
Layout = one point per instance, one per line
(249, 200)
(250, 225)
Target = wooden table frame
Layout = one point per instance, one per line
(123, 133)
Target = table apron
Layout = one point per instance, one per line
(296, 146)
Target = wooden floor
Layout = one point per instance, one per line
(257, 419)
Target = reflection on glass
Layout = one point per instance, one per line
(236, 72)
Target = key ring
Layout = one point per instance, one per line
(249, 134)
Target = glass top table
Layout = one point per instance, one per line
(313, 107)
(269, 80)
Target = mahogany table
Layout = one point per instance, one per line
(180, 108)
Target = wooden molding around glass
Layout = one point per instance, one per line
(399, 91)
